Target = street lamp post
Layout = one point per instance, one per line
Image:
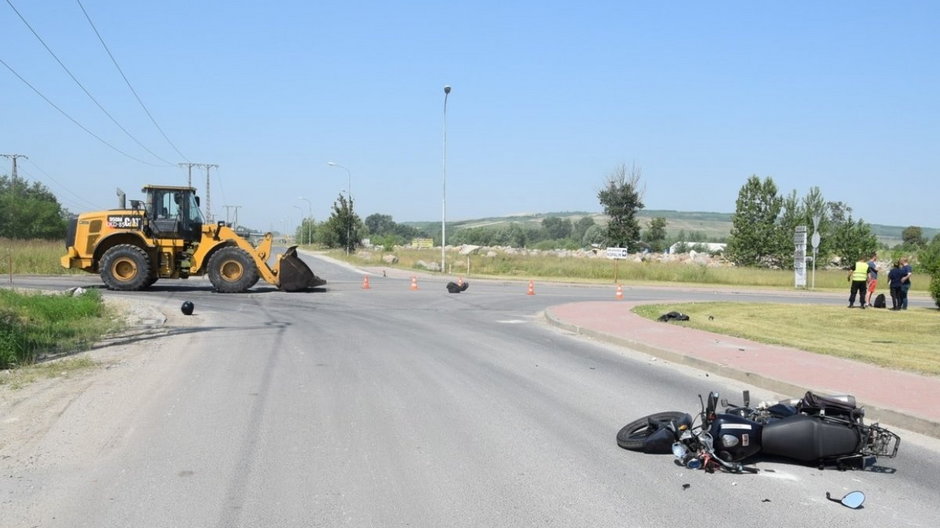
(299, 208)
(349, 193)
(307, 239)
(444, 177)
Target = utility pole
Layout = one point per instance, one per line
(189, 183)
(189, 166)
(208, 208)
(13, 157)
(228, 216)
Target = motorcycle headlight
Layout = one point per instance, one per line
(679, 451)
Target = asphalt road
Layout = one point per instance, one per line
(396, 407)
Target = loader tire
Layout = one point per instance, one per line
(232, 270)
(126, 267)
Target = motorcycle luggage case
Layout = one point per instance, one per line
(809, 439)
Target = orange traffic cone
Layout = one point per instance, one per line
(365, 282)
(414, 283)
(531, 288)
(619, 292)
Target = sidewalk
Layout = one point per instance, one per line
(901, 399)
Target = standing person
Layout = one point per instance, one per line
(872, 277)
(906, 272)
(859, 276)
(894, 284)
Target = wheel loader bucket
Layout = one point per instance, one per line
(293, 274)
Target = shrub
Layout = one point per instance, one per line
(33, 325)
(929, 259)
(387, 242)
(10, 345)
(935, 289)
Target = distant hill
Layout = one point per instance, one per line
(715, 227)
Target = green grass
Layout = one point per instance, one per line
(904, 340)
(34, 325)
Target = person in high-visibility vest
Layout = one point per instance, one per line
(859, 277)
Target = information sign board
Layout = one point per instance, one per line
(617, 253)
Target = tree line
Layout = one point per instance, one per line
(763, 225)
(765, 221)
(30, 211)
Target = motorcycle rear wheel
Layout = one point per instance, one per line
(633, 435)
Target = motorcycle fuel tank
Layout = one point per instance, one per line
(739, 437)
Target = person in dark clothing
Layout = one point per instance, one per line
(894, 285)
(906, 272)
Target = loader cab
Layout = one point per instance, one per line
(174, 212)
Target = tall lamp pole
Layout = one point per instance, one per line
(444, 194)
(301, 209)
(349, 193)
(307, 239)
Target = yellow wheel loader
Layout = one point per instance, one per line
(166, 237)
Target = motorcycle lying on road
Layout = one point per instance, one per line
(814, 429)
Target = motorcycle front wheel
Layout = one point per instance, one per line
(634, 435)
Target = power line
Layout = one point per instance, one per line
(133, 91)
(72, 119)
(80, 85)
(63, 186)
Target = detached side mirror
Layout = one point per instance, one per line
(852, 499)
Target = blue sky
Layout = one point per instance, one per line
(548, 99)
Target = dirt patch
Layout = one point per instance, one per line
(29, 410)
